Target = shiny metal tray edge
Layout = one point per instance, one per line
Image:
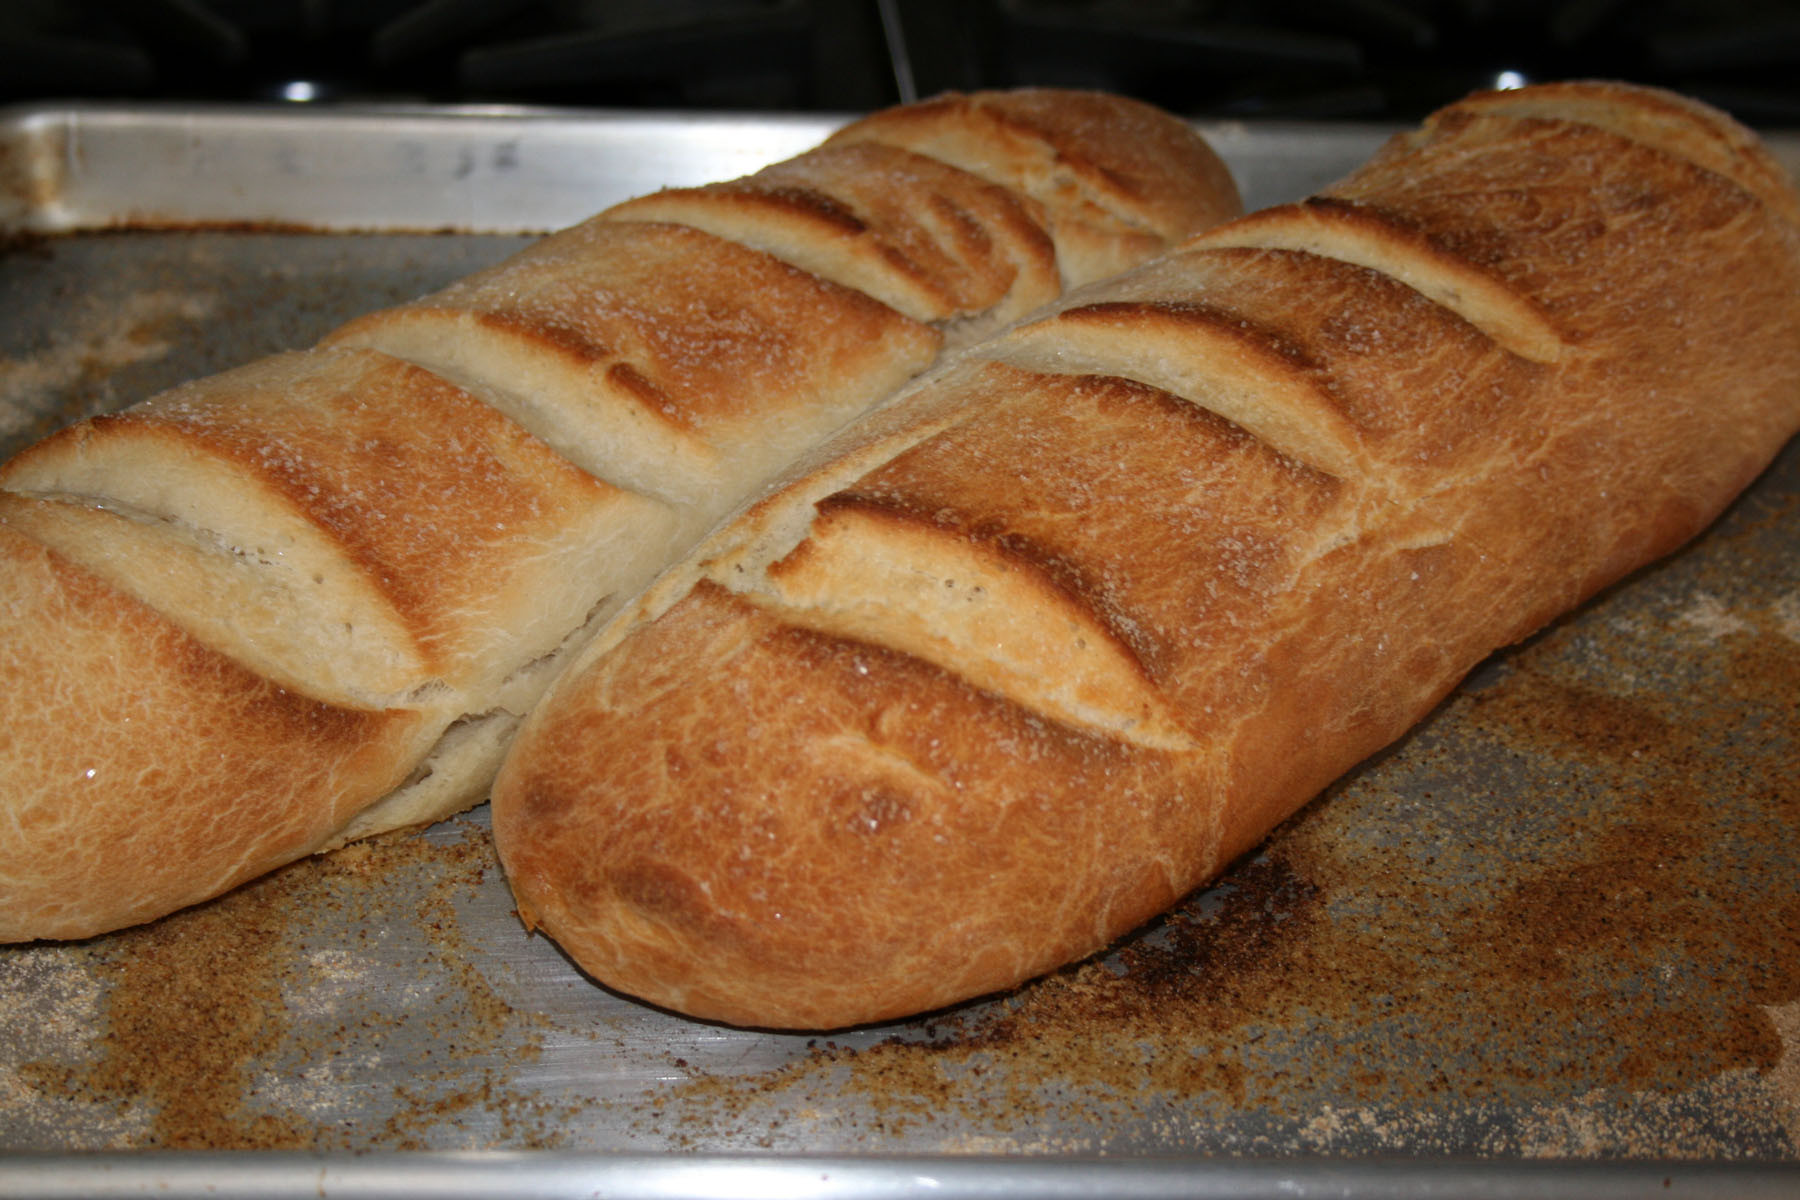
(553, 1176)
(486, 169)
(478, 169)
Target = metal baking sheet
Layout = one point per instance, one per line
(1549, 944)
(494, 170)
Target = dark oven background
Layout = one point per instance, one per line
(1339, 59)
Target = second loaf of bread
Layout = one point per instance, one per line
(1068, 627)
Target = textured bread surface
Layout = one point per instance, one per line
(130, 680)
(1080, 617)
(310, 599)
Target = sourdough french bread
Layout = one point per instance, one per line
(308, 599)
(1047, 641)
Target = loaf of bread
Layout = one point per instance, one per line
(1046, 642)
(307, 600)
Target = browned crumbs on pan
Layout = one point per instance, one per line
(195, 1011)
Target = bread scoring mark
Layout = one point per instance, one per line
(1043, 164)
(719, 334)
(1656, 120)
(1246, 374)
(954, 225)
(967, 604)
(572, 340)
(930, 241)
(553, 397)
(622, 376)
(810, 202)
(1381, 241)
(690, 206)
(1066, 170)
(258, 598)
(655, 401)
(346, 553)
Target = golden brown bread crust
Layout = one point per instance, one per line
(353, 568)
(1114, 178)
(927, 239)
(127, 677)
(1297, 477)
(377, 492)
(651, 355)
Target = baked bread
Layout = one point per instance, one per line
(308, 599)
(1079, 618)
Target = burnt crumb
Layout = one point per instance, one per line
(16, 243)
(1234, 931)
(522, 1122)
